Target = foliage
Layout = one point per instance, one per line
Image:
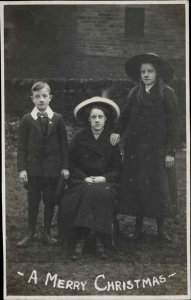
(67, 94)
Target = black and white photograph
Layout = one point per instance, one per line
(95, 149)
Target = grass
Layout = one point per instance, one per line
(133, 260)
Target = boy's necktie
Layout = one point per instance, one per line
(43, 117)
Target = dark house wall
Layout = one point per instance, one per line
(40, 41)
(105, 47)
(81, 51)
(89, 41)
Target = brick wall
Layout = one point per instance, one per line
(101, 33)
(87, 41)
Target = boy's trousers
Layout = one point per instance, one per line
(41, 188)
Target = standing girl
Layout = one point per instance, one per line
(150, 120)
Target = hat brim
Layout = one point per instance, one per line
(110, 105)
(133, 64)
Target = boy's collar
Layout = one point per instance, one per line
(35, 111)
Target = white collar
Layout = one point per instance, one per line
(148, 88)
(35, 110)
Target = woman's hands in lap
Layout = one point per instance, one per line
(88, 180)
(95, 179)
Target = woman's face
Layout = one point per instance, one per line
(148, 74)
(97, 119)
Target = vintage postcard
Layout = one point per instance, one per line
(95, 149)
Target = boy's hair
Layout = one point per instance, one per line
(37, 86)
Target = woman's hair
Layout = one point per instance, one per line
(98, 106)
(109, 113)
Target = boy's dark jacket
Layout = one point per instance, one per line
(39, 158)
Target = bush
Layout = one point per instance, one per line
(66, 95)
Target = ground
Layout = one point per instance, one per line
(132, 261)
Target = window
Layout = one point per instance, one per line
(134, 22)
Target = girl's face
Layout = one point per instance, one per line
(148, 74)
(97, 119)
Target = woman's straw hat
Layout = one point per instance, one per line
(133, 64)
(80, 111)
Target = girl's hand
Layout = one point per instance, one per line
(88, 180)
(23, 176)
(169, 161)
(98, 179)
(65, 173)
(114, 138)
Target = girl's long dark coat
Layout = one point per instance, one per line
(151, 123)
(90, 205)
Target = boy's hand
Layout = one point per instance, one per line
(65, 173)
(114, 138)
(23, 176)
(169, 161)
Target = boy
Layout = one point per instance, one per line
(42, 158)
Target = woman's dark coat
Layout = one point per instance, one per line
(90, 205)
(147, 186)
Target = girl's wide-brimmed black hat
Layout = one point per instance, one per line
(80, 111)
(133, 64)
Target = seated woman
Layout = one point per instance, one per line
(89, 202)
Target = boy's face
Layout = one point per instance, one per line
(148, 74)
(41, 99)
